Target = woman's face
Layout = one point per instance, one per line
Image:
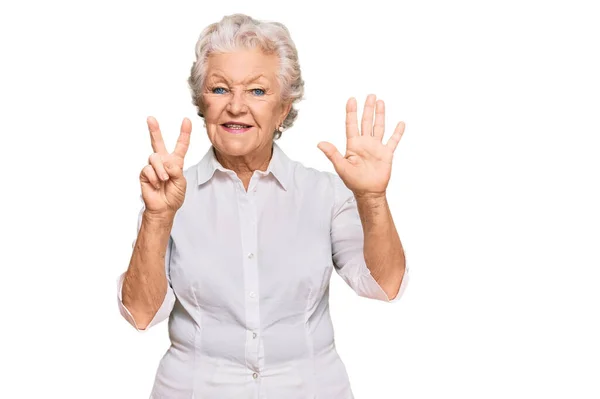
(242, 88)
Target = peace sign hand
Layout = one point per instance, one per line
(162, 180)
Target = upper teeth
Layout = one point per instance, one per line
(235, 126)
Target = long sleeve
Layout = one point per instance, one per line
(167, 305)
(347, 240)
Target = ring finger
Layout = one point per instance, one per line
(150, 175)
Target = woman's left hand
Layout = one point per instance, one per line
(367, 166)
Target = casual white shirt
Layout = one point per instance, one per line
(248, 283)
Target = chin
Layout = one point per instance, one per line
(235, 147)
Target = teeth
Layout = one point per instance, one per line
(236, 126)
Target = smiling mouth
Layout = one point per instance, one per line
(235, 126)
(235, 129)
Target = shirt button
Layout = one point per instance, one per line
(253, 335)
(255, 375)
(250, 255)
(252, 294)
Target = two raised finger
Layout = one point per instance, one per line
(160, 156)
(158, 144)
(183, 142)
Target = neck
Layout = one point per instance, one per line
(245, 165)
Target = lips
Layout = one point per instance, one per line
(236, 125)
(236, 128)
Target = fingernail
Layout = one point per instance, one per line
(165, 177)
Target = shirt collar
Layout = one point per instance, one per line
(279, 166)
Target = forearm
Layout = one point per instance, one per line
(145, 282)
(383, 250)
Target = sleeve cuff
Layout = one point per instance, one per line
(403, 285)
(370, 288)
(162, 313)
(365, 285)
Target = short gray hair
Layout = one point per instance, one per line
(239, 31)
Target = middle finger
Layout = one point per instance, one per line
(367, 117)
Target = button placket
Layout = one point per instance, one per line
(249, 262)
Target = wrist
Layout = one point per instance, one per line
(158, 218)
(371, 198)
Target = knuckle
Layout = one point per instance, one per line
(154, 158)
(148, 171)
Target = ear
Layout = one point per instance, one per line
(286, 108)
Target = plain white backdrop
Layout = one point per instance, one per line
(494, 189)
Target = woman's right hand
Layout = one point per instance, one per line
(162, 180)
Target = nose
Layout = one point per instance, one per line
(237, 103)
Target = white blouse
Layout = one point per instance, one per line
(248, 283)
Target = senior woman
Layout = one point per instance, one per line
(238, 250)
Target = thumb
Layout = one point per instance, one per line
(331, 152)
(174, 172)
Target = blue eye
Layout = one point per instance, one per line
(258, 92)
(221, 90)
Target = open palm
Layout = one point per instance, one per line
(367, 166)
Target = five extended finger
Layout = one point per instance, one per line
(158, 145)
(367, 117)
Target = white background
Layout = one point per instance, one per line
(494, 189)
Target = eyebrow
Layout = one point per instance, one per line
(248, 80)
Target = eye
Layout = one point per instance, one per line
(258, 92)
(218, 90)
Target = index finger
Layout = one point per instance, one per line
(183, 142)
(158, 145)
(367, 117)
(351, 118)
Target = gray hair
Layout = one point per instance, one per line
(239, 31)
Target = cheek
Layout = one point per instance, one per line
(213, 102)
(213, 109)
(265, 111)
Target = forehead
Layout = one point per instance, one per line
(241, 65)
